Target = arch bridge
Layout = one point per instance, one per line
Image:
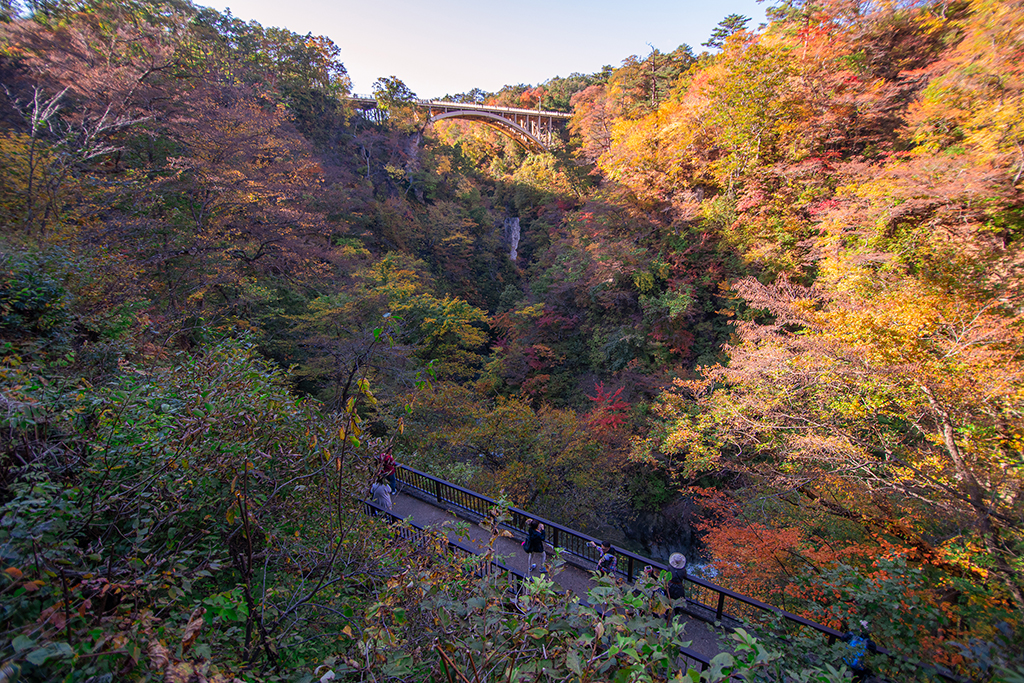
(532, 129)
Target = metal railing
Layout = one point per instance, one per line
(474, 106)
(706, 601)
(580, 547)
(416, 534)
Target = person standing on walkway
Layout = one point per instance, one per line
(381, 493)
(535, 544)
(386, 467)
(607, 563)
(676, 585)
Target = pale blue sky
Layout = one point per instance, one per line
(440, 47)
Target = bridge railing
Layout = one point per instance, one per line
(497, 107)
(473, 105)
(417, 534)
(706, 600)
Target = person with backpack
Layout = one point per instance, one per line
(857, 647)
(534, 543)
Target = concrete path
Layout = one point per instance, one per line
(706, 638)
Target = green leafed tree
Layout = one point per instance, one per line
(390, 92)
(733, 23)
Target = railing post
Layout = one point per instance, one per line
(554, 538)
(437, 491)
(721, 605)
(629, 570)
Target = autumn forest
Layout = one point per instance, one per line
(761, 303)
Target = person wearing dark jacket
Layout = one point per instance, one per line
(676, 585)
(535, 543)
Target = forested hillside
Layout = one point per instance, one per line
(766, 308)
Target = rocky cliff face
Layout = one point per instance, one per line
(666, 531)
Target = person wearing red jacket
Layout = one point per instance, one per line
(387, 467)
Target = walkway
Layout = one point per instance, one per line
(430, 502)
(706, 639)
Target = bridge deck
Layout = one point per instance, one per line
(371, 101)
(706, 638)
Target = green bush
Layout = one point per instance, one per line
(202, 489)
(32, 301)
